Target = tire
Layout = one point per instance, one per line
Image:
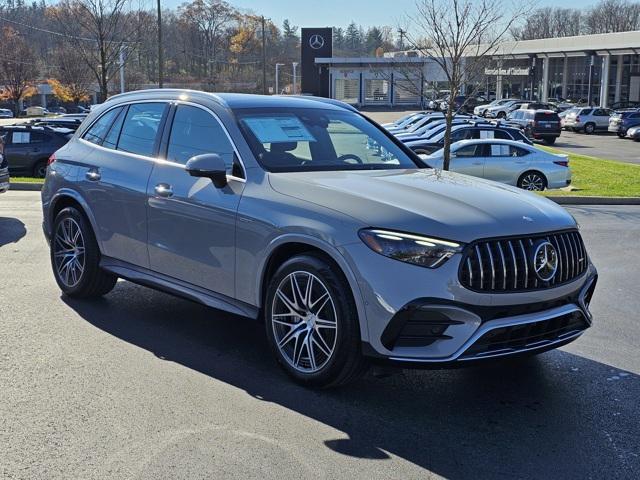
(621, 135)
(589, 128)
(291, 316)
(40, 169)
(533, 181)
(550, 140)
(501, 115)
(77, 273)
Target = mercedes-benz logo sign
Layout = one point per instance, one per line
(316, 41)
(545, 261)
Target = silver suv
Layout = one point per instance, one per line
(274, 208)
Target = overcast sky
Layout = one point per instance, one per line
(321, 13)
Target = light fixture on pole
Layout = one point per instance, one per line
(295, 78)
(278, 65)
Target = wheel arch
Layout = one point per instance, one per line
(286, 247)
(533, 170)
(70, 198)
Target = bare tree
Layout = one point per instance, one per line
(18, 69)
(549, 22)
(612, 16)
(460, 36)
(98, 30)
(73, 81)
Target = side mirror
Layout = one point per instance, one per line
(208, 165)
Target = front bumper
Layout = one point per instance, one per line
(428, 318)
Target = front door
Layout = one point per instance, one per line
(192, 223)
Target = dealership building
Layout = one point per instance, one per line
(601, 69)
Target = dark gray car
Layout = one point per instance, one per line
(28, 148)
(278, 209)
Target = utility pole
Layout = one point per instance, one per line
(160, 59)
(295, 78)
(402, 34)
(278, 65)
(264, 58)
(121, 59)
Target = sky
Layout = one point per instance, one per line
(321, 13)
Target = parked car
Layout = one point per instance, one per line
(435, 126)
(36, 111)
(502, 110)
(462, 103)
(272, 208)
(4, 168)
(481, 110)
(6, 113)
(507, 161)
(402, 121)
(587, 119)
(408, 123)
(71, 123)
(469, 130)
(28, 148)
(537, 124)
(623, 120)
(633, 133)
(624, 105)
(59, 110)
(539, 106)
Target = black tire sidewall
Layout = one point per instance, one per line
(348, 334)
(531, 172)
(91, 252)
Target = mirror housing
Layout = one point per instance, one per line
(208, 165)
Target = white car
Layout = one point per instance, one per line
(587, 119)
(481, 110)
(6, 113)
(506, 161)
(502, 110)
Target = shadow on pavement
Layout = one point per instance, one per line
(554, 416)
(11, 230)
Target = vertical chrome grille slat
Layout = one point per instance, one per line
(503, 265)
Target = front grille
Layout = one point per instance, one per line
(526, 336)
(505, 265)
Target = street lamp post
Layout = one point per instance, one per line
(295, 77)
(278, 65)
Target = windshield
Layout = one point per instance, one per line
(308, 139)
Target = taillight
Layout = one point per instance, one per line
(562, 163)
(52, 159)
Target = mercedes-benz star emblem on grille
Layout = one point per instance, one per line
(316, 41)
(545, 261)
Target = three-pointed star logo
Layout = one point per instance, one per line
(316, 41)
(545, 261)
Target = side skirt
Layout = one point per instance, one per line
(164, 283)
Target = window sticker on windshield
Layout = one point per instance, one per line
(279, 129)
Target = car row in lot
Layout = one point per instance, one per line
(496, 150)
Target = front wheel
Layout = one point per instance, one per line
(312, 323)
(75, 257)
(532, 181)
(589, 128)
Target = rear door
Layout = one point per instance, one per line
(469, 160)
(504, 162)
(191, 222)
(114, 177)
(601, 117)
(17, 150)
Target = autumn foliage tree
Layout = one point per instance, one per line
(18, 70)
(73, 81)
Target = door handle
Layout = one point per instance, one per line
(163, 190)
(93, 175)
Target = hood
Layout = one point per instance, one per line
(430, 202)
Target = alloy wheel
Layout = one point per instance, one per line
(304, 322)
(69, 252)
(532, 182)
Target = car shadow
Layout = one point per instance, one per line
(11, 230)
(558, 415)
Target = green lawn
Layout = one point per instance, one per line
(592, 177)
(26, 180)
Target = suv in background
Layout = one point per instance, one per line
(4, 168)
(620, 122)
(587, 119)
(27, 148)
(537, 124)
(501, 111)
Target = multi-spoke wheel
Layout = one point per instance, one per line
(312, 323)
(75, 257)
(533, 181)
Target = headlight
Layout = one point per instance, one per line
(418, 250)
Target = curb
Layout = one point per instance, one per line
(25, 187)
(595, 200)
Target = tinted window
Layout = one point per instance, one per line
(517, 151)
(140, 127)
(461, 134)
(99, 129)
(547, 117)
(470, 151)
(196, 131)
(501, 134)
(586, 111)
(111, 140)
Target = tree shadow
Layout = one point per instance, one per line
(11, 230)
(554, 416)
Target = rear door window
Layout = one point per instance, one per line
(502, 135)
(140, 128)
(98, 131)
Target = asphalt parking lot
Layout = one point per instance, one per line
(600, 145)
(144, 385)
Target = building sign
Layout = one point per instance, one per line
(315, 43)
(513, 71)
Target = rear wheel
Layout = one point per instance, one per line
(40, 169)
(621, 135)
(312, 323)
(589, 128)
(75, 257)
(550, 140)
(532, 181)
(501, 115)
